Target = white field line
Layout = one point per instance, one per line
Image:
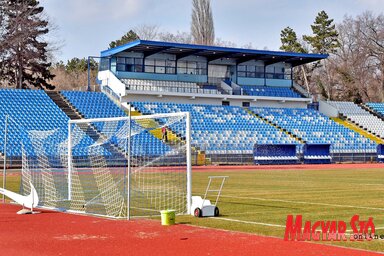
(348, 231)
(379, 228)
(251, 222)
(311, 203)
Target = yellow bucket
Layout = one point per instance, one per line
(168, 217)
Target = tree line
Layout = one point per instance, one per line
(354, 70)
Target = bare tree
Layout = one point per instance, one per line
(224, 43)
(202, 28)
(356, 69)
(178, 37)
(147, 31)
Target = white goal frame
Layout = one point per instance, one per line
(185, 115)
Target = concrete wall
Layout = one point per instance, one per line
(107, 78)
(213, 101)
(327, 109)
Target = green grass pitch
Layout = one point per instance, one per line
(259, 201)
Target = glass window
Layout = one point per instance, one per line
(129, 60)
(138, 68)
(120, 67)
(242, 68)
(120, 60)
(182, 70)
(170, 70)
(150, 69)
(191, 65)
(201, 65)
(181, 64)
(241, 74)
(160, 69)
(129, 68)
(150, 62)
(138, 61)
(171, 63)
(104, 64)
(259, 69)
(160, 63)
(270, 69)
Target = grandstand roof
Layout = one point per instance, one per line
(214, 52)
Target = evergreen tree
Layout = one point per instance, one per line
(80, 65)
(325, 36)
(289, 42)
(130, 36)
(24, 61)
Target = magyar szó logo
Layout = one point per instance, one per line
(331, 230)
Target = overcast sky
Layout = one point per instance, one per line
(86, 27)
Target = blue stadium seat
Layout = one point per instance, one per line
(255, 90)
(221, 129)
(98, 105)
(316, 128)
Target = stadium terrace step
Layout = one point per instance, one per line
(172, 137)
(66, 107)
(74, 114)
(92, 132)
(358, 129)
(372, 111)
(276, 126)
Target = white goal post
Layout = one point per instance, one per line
(123, 167)
(129, 127)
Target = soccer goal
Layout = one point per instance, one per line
(122, 167)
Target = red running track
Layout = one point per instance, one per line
(52, 233)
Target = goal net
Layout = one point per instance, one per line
(120, 167)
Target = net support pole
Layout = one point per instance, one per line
(69, 162)
(5, 155)
(129, 165)
(189, 162)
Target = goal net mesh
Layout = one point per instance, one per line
(116, 167)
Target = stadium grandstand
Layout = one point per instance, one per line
(237, 98)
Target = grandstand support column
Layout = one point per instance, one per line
(129, 165)
(5, 155)
(189, 163)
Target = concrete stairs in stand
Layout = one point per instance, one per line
(276, 126)
(357, 129)
(89, 129)
(65, 105)
(173, 138)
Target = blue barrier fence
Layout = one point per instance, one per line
(275, 154)
(317, 154)
(380, 153)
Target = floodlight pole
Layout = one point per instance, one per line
(5, 155)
